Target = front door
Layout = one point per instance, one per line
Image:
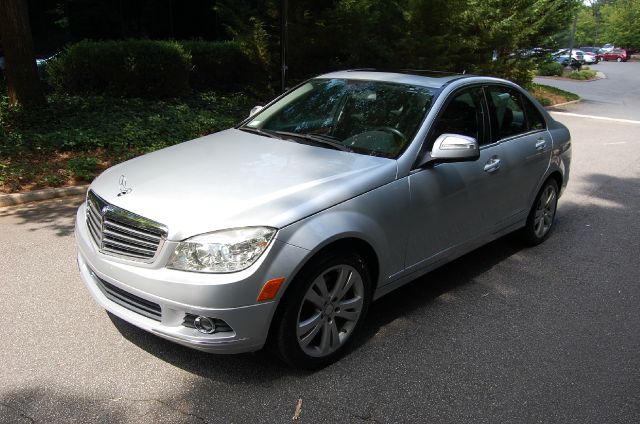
(455, 203)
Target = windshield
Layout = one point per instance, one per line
(369, 117)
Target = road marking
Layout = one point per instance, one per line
(613, 144)
(602, 118)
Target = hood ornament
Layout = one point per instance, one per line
(123, 186)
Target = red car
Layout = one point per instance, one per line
(617, 55)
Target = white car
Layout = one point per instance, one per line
(575, 54)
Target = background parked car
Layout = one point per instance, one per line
(617, 55)
(607, 48)
(564, 61)
(575, 54)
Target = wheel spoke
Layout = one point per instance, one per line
(325, 339)
(304, 341)
(343, 279)
(315, 298)
(348, 315)
(351, 305)
(335, 334)
(322, 286)
(353, 279)
(305, 326)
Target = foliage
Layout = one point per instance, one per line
(131, 68)
(621, 23)
(76, 137)
(587, 26)
(548, 95)
(550, 69)
(610, 21)
(83, 168)
(223, 66)
(582, 75)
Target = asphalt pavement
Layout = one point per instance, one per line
(506, 334)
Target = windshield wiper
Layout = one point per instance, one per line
(266, 133)
(317, 139)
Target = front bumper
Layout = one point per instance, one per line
(178, 294)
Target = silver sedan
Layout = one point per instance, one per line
(282, 230)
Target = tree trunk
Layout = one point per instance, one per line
(23, 82)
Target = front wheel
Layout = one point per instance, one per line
(322, 310)
(619, 60)
(542, 215)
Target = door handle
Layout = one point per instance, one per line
(541, 144)
(492, 165)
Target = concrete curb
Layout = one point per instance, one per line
(563, 104)
(37, 195)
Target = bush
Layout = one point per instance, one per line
(549, 69)
(83, 168)
(130, 68)
(582, 75)
(221, 66)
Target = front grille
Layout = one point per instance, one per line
(119, 232)
(128, 300)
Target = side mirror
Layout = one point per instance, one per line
(452, 148)
(255, 110)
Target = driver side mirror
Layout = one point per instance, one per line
(255, 110)
(452, 148)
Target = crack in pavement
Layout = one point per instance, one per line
(22, 414)
(369, 417)
(163, 403)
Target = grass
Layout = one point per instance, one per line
(75, 138)
(549, 96)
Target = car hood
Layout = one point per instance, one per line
(234, 179)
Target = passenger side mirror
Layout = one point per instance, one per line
(452, 148)
(255, 110)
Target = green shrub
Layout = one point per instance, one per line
(129, 68)
(582, 75)
(83, 168)
(222, 66)
(550, 69)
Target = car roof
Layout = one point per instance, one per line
(430, 79)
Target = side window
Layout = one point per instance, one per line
(507, 114)
(462, 115)
(535, 120)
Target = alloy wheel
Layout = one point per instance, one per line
(545, 212)
(330, 310)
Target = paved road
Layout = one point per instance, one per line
(504, 334)
(617, 96)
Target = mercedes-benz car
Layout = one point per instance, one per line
(281, 231)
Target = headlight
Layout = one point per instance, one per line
(222, 251)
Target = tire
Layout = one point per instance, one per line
(312, 329)
(542, 215)
(618, 60)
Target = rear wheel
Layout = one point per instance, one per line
(542, 215)
(322, 310)
(619, 59)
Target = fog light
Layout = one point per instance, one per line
(204, 325)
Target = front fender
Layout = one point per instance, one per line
(376, 217)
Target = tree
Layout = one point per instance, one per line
(23, 82)
(621, 23)
(587, 27)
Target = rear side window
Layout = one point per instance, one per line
(506, 111)
(535, 121)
